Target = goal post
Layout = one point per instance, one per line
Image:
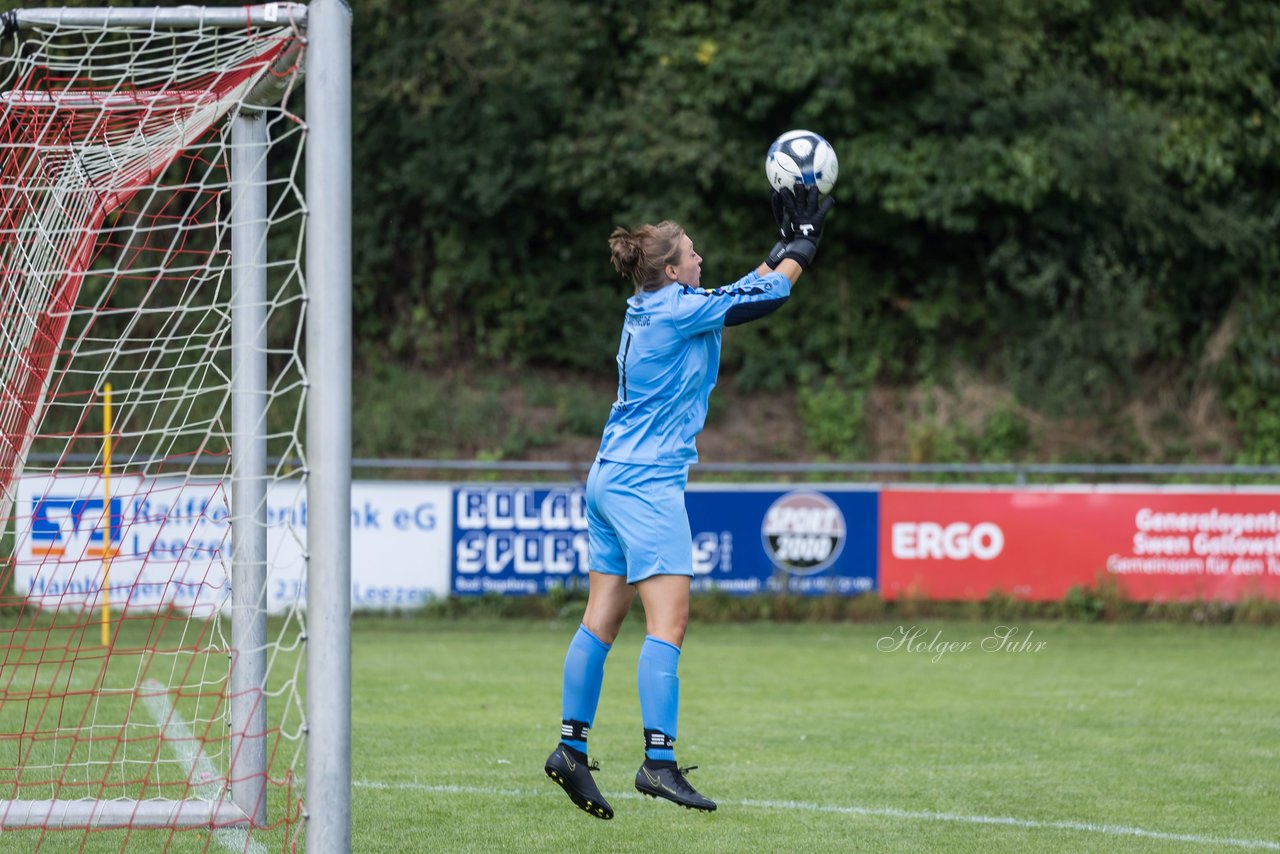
(160, 238)
(248, 463)
(329, 432)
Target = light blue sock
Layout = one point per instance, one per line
(583, 676)
(659, 697)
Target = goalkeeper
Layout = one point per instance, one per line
(639, 536)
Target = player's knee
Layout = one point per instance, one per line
(669, 627)
(604, 619)
(605, 630)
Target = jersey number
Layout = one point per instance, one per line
(625, 350)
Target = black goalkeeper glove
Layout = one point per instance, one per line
(806, 214)
(786, 231)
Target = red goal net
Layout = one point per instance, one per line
(122, 713)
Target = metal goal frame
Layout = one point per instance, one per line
(327, 795)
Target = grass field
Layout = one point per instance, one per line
(1150, 737)
(814, 737)
(144, 718)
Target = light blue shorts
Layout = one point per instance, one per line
(637, 524)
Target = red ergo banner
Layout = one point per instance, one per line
(1036, 545)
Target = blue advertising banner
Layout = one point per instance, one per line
(806, 540)
(524, 541)
(517, 540)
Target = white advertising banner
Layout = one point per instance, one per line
(401, 539)
(169, 544)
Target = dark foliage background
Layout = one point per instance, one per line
(1063, 195)
(1058, 192)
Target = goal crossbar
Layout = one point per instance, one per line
(167, 18)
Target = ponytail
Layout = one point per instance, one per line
(642, 255)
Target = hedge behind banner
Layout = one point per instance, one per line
(1059, 192)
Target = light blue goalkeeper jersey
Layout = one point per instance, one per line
(668, 360)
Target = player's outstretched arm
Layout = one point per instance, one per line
(787, 267)
(800, 216)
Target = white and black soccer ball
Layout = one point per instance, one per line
(801, 157)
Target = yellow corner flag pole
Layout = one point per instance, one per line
(106, 512)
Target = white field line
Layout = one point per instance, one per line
(878, 812)
(197, 765)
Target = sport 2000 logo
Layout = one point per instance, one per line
(803, 532)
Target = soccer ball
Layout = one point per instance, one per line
(801, 157)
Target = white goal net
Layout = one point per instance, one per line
(153, 470)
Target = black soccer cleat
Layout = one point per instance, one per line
(574, 776)
(659, 779)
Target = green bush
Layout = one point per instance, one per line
(582, 411)
(1005, 438)
(1251, 377)
(1060, 194)
(833, 416)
